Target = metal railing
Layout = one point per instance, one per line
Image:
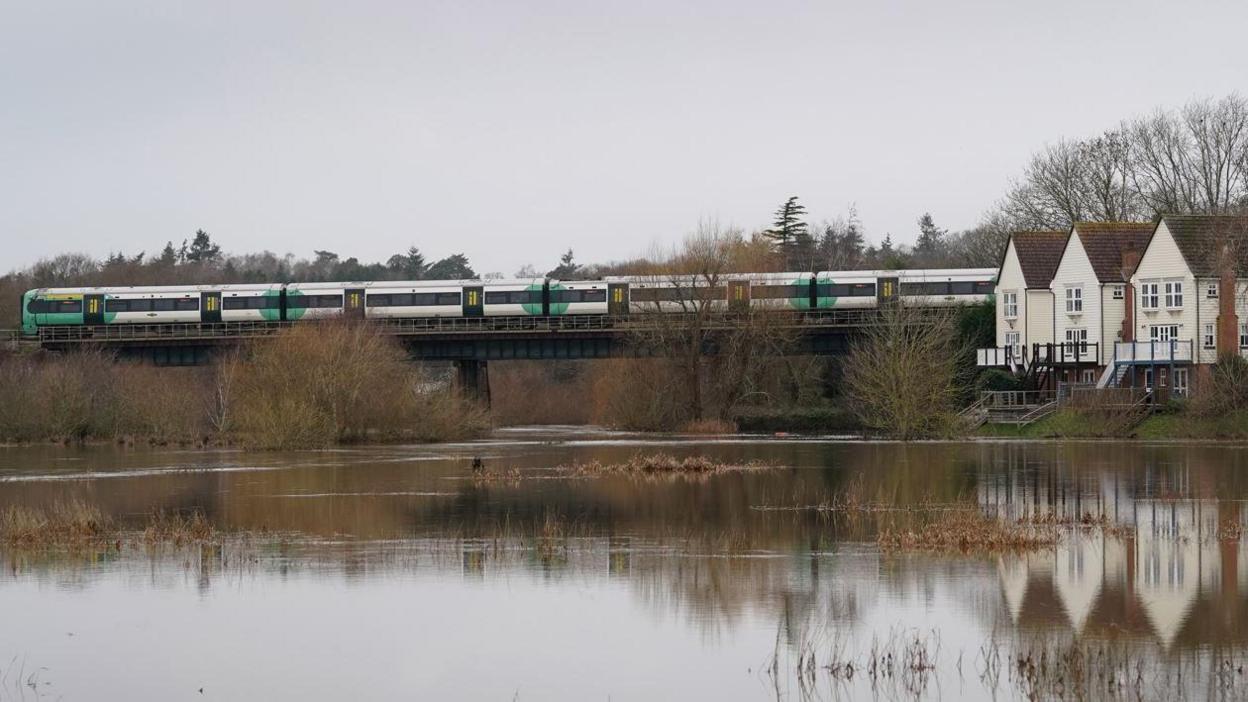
(450, 326)
(1068, 353)
(1000, 357)
(998, 399)
(1171, 351)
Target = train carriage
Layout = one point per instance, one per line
(510, 298)
(414, 299)
(577, 297)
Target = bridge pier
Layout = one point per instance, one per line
(473, 379)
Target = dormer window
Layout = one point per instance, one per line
(1074, 300)
(1149, 297)
(1117, 292)
(1211, 292)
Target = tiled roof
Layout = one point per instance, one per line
(1106, 242)
(1038, 255)
(1199, 237)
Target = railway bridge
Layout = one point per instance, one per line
(471, 342)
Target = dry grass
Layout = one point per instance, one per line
(960, 530)
(709, 427)
(659, 464)
(64, 524)
(76, 525)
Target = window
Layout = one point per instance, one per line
(935, 289)
(186, 304)
(778, 292)
(253, 302)
(1148, 378)
(128, 305)
(1012, 346)
(962, 288)
(680, 294)
(1009, 300)
(1149, 298)
(578, 296)
(1180, 381)
(1211, 291)
(1117, 292)
(516, 297)
(1163, 332)
(1243, 335)
(1210, 338)
(301, 302)
(1174, 294)
(1074, 300)
(844, 290)
(983, 287)
(1087, 376)
(1077, 338)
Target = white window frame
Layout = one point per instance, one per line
(1174, 294)
(1243, 335)
(1088, 375)
(1179, 383)
(1118, 292)
(1013, 342)
(1149, 297)
(1077, 336)
(1148, 378)
(1074, 299)
(1174, 332)
(1211, 292)
(1009, 304)
(1211, 336)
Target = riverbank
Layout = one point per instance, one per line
(1069, 424)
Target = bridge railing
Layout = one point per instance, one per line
(222, 331)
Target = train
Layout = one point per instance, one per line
(389, 300)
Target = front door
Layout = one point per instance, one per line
(92, 310)
(738, 295)
(474, 301)
(353, 303)
(887, 291)
(210, 307)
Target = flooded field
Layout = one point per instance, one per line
(406, 572)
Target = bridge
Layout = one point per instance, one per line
(471, 342)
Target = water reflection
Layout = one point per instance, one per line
(713, 572)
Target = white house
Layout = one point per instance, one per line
(1090, 295)
(1190, 302)
(1024, 299)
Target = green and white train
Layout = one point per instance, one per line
(613, 295)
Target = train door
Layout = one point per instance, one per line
(617, 298)
(474, 297)
(887, 291)
(738, 295)
(92, 310)
(210, 307)
(353, 303)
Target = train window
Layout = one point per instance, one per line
(580, 296)
(512, 297)
(779, 292)
(962, 288)
(595, 296)
(186, 304)
(863, 290)
(69, 306)
(496, 297)
(377, 301)
(164, 305)
(299, 302)
(832, 290)
(920, 289)
(234, 303)
(984, 287)
(448, 298)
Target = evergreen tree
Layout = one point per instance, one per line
(202, 249)
(168, 255)
(453, 267)
(931, 238)
(410, 265)
(853, 242)
(566, 269)
(788, 223)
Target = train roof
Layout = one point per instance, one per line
(155, 289)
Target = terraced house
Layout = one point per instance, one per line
(1190, 302)
(1092, 299)
(1024, 298)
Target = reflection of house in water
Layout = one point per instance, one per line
(1178, 574)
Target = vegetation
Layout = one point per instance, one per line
(77, 525)
(968, 530)
(349, 384)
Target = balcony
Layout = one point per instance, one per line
(1000, 357)
(1150, 352)
(1071, 353)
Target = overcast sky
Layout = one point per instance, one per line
(513, 130)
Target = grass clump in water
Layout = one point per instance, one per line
(177, 529)
(659, 464)
(64, 524)
(969, 531)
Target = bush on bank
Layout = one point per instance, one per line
(306, 388)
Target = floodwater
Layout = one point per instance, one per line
(393, 573)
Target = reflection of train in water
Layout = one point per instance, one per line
(620, 295)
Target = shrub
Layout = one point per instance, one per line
(1226, 389)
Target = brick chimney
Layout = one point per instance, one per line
(1130, 261)
(1228, 321)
